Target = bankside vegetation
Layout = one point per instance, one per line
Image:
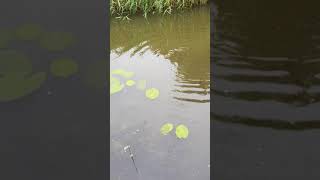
(125, 8)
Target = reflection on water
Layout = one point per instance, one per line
(265, 92)
(177, 39)
(266, 65)
(171, 54)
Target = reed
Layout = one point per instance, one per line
(125, 8)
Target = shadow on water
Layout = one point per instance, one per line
(265, 90)
(53, 125)
(266, 64)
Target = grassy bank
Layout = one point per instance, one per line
(125, 8)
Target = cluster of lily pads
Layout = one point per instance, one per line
(116, 85)
(52, 41)
(17, 77)
(182, 132)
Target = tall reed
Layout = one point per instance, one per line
(124, 8)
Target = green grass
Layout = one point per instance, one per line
(125, 8)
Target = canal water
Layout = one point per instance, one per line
(265, 92)
(172, 54)
(52, 115)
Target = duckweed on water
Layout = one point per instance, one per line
(152, 93)
(64, 67)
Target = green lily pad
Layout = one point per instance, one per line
(142, 84)
(123, 73)
(5, 37)
(29, 32)
(15, 87)
(152, 93)
(182, 132)
(56, 41)
(166, 128)
(130, 83)
(115, 85)
(12, 62)
(16, 78)
(64, 67)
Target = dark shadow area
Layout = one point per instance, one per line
(265, 89)
(53, 108)
(266, 54)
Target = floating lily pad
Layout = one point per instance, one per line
(130, 83)
(29, 32)
(15, 87)
(64, 67)
(12, 62)
(123, 73)
(16, 80)
(56, 41)
(142, 84)
(182, 132)
(166, 128)
(152, 93)
(5, 37)
(115, 85)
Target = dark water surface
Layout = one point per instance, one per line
(48, 126)
(266, 90)
(172, 54)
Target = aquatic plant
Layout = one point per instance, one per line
(123, 73)
(16, 78)
(182, 132)
(152, 93)
(166, 128)
(63, 67)
(123, 8)
(130, 83)
(115, 85)
(171, 32)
